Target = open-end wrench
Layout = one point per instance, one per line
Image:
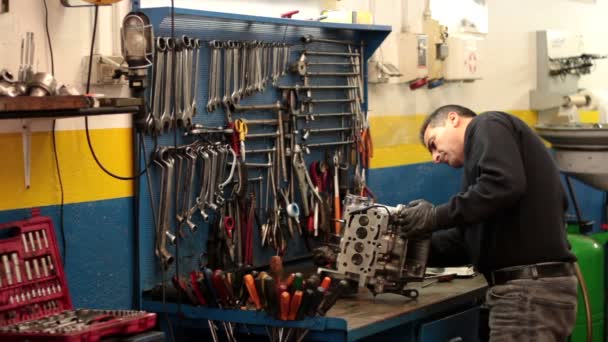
(186, 119)
(235, 72)
(197, 62)
(158, 90)
(191, 156)
(179, 82)
(202, 197)
(166, 118)
(228, 60)
(160, 242)
(211, 77)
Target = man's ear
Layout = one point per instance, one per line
(453, 119)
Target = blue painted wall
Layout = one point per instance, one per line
(436, 183)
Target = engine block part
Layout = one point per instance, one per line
(372, 253)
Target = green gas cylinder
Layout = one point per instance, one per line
(590, 254)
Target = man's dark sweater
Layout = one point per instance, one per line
(511, 208)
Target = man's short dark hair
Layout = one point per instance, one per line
(438, 117)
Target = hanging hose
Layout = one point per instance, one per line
(579, 274)
(581, 281)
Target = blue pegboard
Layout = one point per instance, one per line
(208, 26)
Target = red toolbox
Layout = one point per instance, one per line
(35, 304)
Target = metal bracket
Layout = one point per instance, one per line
(26, 136)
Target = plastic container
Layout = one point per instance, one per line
(35, 304)
(591, 260)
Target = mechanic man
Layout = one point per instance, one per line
(508, 219)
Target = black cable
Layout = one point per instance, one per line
(61, 207)
(53, 131)
(48, 37)
(86, 118)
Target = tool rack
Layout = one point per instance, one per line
(209, 26)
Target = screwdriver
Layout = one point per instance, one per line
(316, 300)
(209, 282)
(270, 291)
(296, 300)
(440, 279)
(204, 288)
(289, 281)
(330, 299)
(259, 285)
(297, 282)
(196, 288)
(253, 293)
(276, 268)
(312, 281)
(285, 300)
(326, 283)
(306, 301)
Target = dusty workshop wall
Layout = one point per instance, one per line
(509, 73)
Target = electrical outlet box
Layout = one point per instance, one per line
(465, 59)
(103, 70)
(412, 56)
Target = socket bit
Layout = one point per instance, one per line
(28, 270)
(7, 269)
(46, 241)
(23, 239)
(38, 239)
(16, 265)
(36, 268)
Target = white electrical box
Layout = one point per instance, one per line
(563, 44)
(464, 60)
(412, 56)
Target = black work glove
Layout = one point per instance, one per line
(417, 219)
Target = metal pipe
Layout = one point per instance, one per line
(304, 87)
(261, 122)
(309, 100)
(333, 129)
(310, 39)
(330, 63)
(262, 150)
(323, 53)
(235, 108)
(332, 143)
(331, 74)
(262, 135)
(300, 115)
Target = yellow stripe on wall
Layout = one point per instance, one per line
(83, 181)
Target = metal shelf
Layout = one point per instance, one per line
(29, 107)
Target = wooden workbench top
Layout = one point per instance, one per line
(365, 310)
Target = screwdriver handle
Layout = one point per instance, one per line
(285, 299)
(306, 301)
(317, 298)
(330, 299)
(297, 282)
(326, 283)
(270, 292)
(208, 273)
(253, 293)
(296, 300)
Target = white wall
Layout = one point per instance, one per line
(509, 64)
(70, 30)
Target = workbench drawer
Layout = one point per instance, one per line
(460, 327)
